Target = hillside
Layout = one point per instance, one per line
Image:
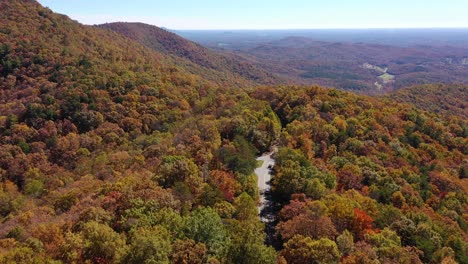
(111, 152)
(442, 99)
(108, 146)
(167, 42)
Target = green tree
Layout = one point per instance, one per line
(246, 208)
(180, 169)
(295, 174)
(247, 243)
(149, 245)
(314, 189)
(23, 254)
(299, 250)
(239, 157)
(102, 243)
(345, 242)
(204, 225)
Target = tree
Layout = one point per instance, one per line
(205, 226)
(314, 189)
(345, 243)
(225, 209)
(427, 240)
(102, 244)
(239, 156)
(72, 248)
(387, 245)
(246, 208)
(149, 245)
(247, 243)
(51, 236)
(349, 177)
(308, 226)
(23, 254)
(295, 174)
(296, 206)
(268, 129)
(225, 182)
(301, 249)
(288, 179)
(341, 211)
(180, 169)
(188, 252)
(362, 223)
(363, 253)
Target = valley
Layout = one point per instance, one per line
(348, 61)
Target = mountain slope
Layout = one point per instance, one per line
(442, 99)
(89, 120)
(169, 43)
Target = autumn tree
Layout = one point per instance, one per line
(149, 245)
(306, 250)
(102, 244)
(188, 252)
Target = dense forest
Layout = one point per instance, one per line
(442, 99)
(113, 152)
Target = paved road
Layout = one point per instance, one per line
(264, 177)
(267, 207)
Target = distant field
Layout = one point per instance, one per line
(386, 77)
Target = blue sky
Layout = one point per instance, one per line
(272, 14)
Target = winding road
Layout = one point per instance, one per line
(264, 177)
(266, 206)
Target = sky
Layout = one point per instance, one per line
(269, 14)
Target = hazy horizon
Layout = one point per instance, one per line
(310, 29)
(270, 15)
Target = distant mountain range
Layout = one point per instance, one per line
(360, 67)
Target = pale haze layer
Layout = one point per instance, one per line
(271, 14)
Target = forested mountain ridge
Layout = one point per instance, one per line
(169, 43)
(437, 98)
(77, 40)
(111, 152)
